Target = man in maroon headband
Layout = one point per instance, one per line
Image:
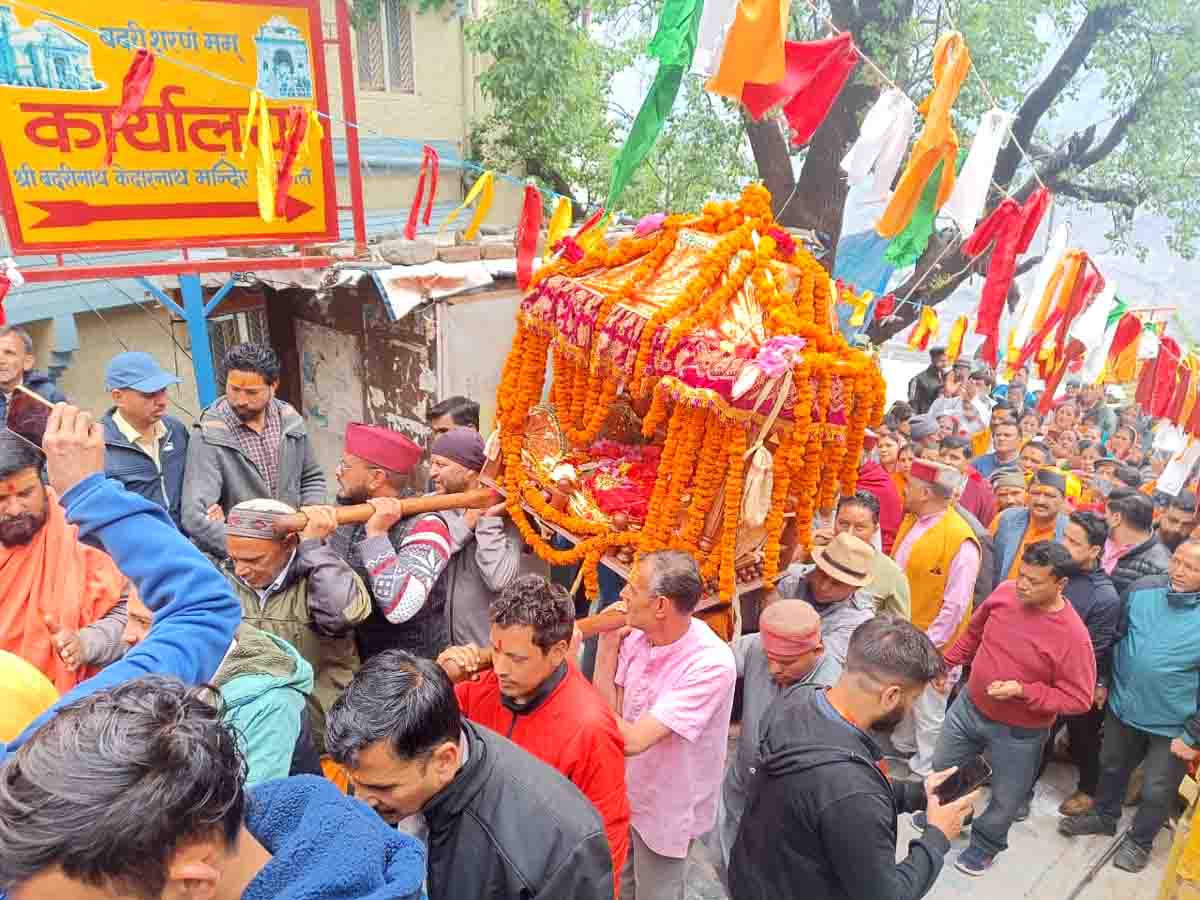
(787, 650)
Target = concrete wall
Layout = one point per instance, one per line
(83, 381)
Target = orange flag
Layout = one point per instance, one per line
(753, 48)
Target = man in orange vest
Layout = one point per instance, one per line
(940, 554)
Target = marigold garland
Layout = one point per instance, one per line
(727, 579)
(681, 471)
(710, 474)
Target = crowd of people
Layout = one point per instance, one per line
(258, 701)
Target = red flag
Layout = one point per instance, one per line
(814, 74)
(295, 130)
(430, 163)
(885, 306)
(133, 93)
(1011, 228)
(527, 234)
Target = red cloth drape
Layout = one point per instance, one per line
(295, 131)
(133, 93)
(429, 171)
(527, 234)
(814, 74)
(1166, 373)
(1011, 227)
(1179, 398)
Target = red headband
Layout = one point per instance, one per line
(782, 644)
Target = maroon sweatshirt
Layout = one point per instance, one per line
(874, 479)
(1050, 654)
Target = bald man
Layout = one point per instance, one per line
(787, 650)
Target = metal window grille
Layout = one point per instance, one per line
(400, 48)
(236, 328)
(369, 43)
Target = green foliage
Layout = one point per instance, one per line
(546, 86)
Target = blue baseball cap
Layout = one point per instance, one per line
(139, 372)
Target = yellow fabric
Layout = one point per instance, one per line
(958, 331)
(980, 442)
(753, 48)
(148, 444)
(27, 694)
(485, 190)
(265, 172)
(1061, 286)
(928, 566)
(1124, 368)
(926, 329)
(938, 142)
(1032, 536)
(560, 224)
(859, 303)
(1189, 402)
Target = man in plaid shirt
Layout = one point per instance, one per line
(247, 445)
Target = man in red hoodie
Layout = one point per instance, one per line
(874, 479)
(538, 700)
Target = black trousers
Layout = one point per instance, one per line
(1084, 735)
(1124, 747)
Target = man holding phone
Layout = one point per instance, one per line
(1031, 661)
(821, 810)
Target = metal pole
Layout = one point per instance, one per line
(350, 114)
(192, 290)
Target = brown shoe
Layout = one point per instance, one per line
(1078, 804)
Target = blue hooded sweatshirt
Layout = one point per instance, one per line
(327, 846)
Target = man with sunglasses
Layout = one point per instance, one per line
(144, 448)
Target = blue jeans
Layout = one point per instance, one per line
(1015, 754)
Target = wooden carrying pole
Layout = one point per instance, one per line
(609, 620)
(479, 498)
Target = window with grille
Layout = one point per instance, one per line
(385, 50)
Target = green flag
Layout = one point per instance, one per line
(673, 45)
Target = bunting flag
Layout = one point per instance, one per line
(966, 204)
(1026, 314)
(673, 46)
(938, 140)
(1121, 366)
(753, 49)
(1094, 329)
(528, 229)
(814, 74)
(859, 303)
(1186, 372)
(258, 135)
(885, 307)
(874, 159)
(430, 164)
(954, 346)
(302, 124)
(133, 93)
(906, 248)
(925, 330)
(1009, 230)
(485, 190)
(715, 22)
(560, 224)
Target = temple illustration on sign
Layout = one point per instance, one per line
(283, 72)
(44, 55)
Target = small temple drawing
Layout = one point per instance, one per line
(44, 55)
(283, 72)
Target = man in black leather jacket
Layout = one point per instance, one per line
(927, 384)
(1130, 516)
(498, 822)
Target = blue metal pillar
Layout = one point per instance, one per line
(194, 313)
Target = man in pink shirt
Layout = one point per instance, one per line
(941, 574)
(670, 680)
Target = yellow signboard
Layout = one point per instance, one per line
(186, 169)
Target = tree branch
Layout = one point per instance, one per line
(1096, 194)
(1098, 22)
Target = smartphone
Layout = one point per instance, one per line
(28, 414)
(962, 782)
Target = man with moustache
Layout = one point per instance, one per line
(787, 650)
(821, 810)
(16, 368)
(246, 446)
(61, 603)
(1177, 520)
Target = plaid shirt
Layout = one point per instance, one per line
(263, 449)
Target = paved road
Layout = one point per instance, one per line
(1040, 864)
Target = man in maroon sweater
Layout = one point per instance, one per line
(1031, 660)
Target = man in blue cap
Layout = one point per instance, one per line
(145, 449)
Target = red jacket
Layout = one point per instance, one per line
(572, 729)
(978, 499)
(874, 479)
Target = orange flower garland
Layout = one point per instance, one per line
(656, 415)
(807, 489)
(683, 467)
(835, 453)
(727, 578)
(787, 460)
(710, 472)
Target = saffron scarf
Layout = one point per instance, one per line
(56, 575)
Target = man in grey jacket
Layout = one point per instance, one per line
(247, 445)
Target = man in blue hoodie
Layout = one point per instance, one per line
(149, 756)
(1153, 710)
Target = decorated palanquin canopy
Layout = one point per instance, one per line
(699, 398)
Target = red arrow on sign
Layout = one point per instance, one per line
(73, 213)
